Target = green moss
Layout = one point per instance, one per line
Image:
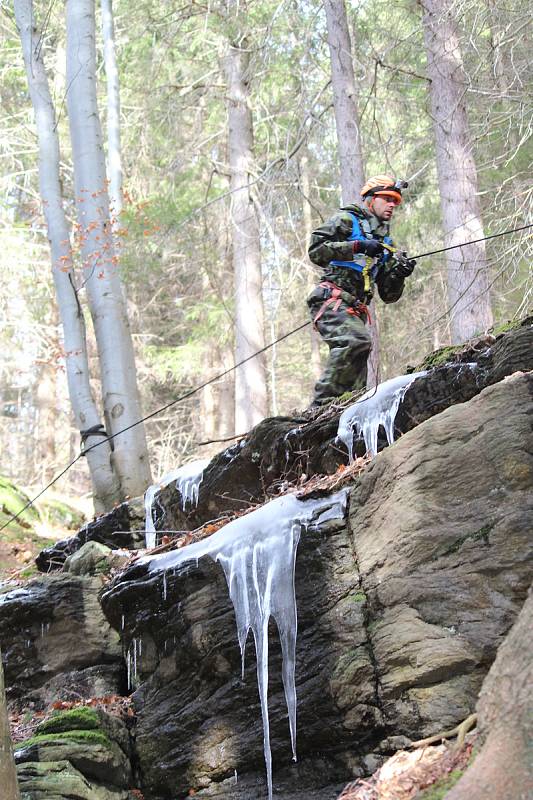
(76, 719)
(81, 737)
(440, 788)
(61, 514)
(359, 597)
(12, 501)
(442, 356)
(505, 327)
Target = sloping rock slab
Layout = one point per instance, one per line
(51, 628)
(59, 780)
(443, 537)
(197, 720)
(282, 449)
(120, 528)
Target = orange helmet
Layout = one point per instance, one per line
(383, 186)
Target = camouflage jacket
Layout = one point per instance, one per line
(330, 242)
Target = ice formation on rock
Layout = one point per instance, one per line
(378, 406)
(188, 479)
(258, 553)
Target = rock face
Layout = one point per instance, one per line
(401, 611)
(121, 528)
(56, 644)
(504, 766)
(188, 673)
(442, 534)
(84, 754)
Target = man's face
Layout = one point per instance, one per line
(383, 207)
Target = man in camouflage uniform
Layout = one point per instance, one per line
(354, 250)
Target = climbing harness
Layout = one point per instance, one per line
(355, 307)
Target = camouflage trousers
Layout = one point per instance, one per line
(349, 345)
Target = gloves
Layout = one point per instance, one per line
(404, 266)
(370, 247)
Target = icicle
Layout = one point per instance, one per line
(188, 479)
(258, 555)
(122, 623)
(128, 665)
(378, 406)
(164, 585)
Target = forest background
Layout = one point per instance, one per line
(175, 247)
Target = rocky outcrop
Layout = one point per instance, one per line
(84, 754)
(401, 612)
(442, 534)
(56, 643)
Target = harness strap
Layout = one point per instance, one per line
(355, 306)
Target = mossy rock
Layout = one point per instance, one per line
(75, 719)
(12, 501)
(444, 355)
(60, 514)
(80, 736)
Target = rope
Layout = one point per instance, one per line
(191, 392)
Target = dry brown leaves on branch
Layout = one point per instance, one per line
(332, 483)
(408, 772)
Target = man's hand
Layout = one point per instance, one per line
(370, 247)
(404, 266)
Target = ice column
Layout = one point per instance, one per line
(188, 479)
(258, 554)
(378, 406)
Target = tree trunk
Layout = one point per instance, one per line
(352, 168)
(467, 268)
(345, 101)
(8, 770)
(105, 484)
(316, 361)
(102, 279)
(114, 158)
(251, 400)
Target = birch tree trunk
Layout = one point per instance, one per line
(251, 399)
(105, 483)
(8, 770)
(100, 265)
(467, 268)
(114, 157)
(352, 170)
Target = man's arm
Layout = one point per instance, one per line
(328, 242)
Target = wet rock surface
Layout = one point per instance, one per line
(53, 628)
(197, 721)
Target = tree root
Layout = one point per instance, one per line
(460, 731)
